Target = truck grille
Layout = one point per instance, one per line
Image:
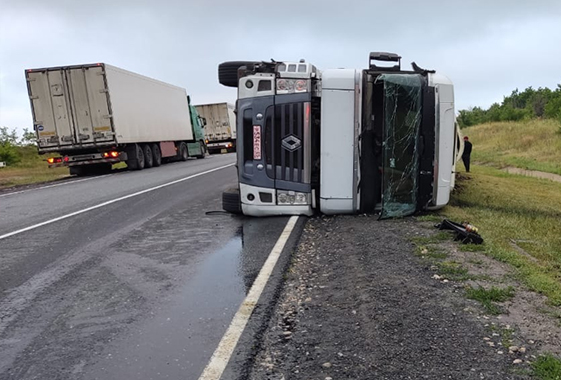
(284, 148)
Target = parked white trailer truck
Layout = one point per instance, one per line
(220, 130)
(341, 141)
(95, 115)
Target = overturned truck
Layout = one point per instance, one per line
(340, 141)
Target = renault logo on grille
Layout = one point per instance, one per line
(291, 143)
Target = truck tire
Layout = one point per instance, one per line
(228, 72)
(156, 155)
(202, 149)
(183, 152)
(231, 201)
(148, 158)
(136, 157)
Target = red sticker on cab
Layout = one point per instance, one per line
(256, 142)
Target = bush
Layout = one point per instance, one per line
(8, 149)
(9, 154)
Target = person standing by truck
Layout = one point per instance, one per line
(467, 153)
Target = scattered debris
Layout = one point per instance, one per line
(466, 233)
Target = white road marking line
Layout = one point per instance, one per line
(55, 185)
(225, 349)
(110, 202)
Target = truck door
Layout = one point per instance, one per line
(49, 98)
(401, 147)
(91, 118)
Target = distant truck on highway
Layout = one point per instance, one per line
(220, 131)
(91, 116)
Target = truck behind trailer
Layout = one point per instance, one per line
(95, 115)
(341, 141)
(220, 131)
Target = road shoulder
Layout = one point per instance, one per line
(358, 303)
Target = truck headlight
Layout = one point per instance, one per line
(292, 198)
(292, 85)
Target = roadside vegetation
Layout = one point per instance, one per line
(24, 165)
(542, 103)
(547, 367)
(519, 217)
(490, 297)
(529, 144)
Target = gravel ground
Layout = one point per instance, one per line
(359, 304)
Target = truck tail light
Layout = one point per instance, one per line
(111, 154)
(56, 160)
(66, 159)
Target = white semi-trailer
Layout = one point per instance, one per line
(341, 141)
(95, 115)
(220, 130)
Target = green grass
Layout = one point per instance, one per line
(547, 367)
(452, 270)
(532, 144)
(433, 239)
(506, 337)
(489, 297)
(508, 207)
(472, 247)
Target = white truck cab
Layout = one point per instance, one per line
(342, 141)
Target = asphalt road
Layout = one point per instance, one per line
(138, 283)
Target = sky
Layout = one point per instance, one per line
(487, 48)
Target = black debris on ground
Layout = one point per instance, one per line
(359, 304)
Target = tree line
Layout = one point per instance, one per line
(528, 104)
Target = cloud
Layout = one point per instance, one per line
(487, 48)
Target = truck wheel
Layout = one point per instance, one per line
(231, 201)
(203, 150)
(183, 152)
(136, 157)
(228, 72)
(156, 155)
(148, 159)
